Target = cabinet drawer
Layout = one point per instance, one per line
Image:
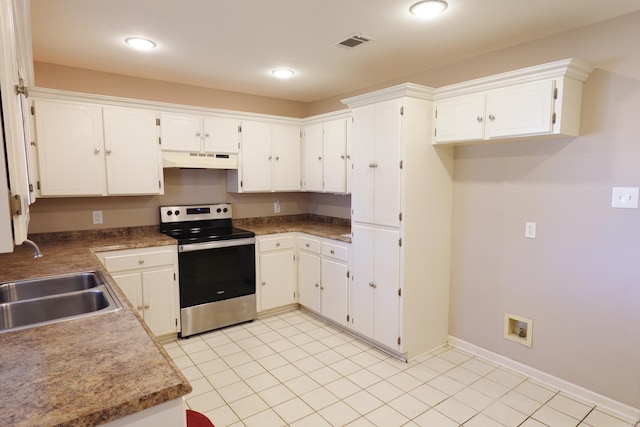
(310, 245)
(335, 251)
(276, 243)
(119, 261)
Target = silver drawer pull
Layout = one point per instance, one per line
(492, 117)
(332, 252)
(306, 244)
(146, 307)
(372, 285)
(277, 244)
(140, 261)
(479, 119)
(317, 285)
(264, 283)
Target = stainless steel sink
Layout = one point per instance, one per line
(44, 286)
(36, 302)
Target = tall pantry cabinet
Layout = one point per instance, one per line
(401, 222)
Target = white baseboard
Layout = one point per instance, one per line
(621, 410)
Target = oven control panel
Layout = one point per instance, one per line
(195, 213)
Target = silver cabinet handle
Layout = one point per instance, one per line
(373, 165)
(277, 244)
(372, 285)
(146, 307)
(492, 117)
(332, 252)
(342, 156)
(198, 134)
(140, 261)
(96, 151)
(317, 285)
(269, 157)
(206, 135)
(321, 287)
(108, 151)
(306, 244)
(319, 158)
(264, 283)
(277, 158)
(139, 307)
(479, 119)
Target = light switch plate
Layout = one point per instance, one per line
(530, 230)
(97, 217)
(624, 197)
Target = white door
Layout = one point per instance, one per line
(520, 110)
(460, 118)
(220, 135)
(255, 156)
(309, 280)
(334, 290)
(311, 155)
(159, 301)
(286, 158)
(131, 285)
(362, 279)
(277, 280)
(180, 132)
(335, 156)
(387, 139)
(363, 161)
(70, 149)
(132, 151)
(386, 303)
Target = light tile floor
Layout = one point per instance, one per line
(294, 369)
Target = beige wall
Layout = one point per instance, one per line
(578, 280)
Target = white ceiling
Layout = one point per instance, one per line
(234, 44)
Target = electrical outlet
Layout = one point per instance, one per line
(276, 206)
(530, 230)
(97, 217)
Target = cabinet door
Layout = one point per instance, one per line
(363, 160)
(255, 156)
(70, 149)
(309, 280)
(220, 135)
(180, 132)
(131, 285)
(158, 290)
(386, 301)
(460, 118)
(334, 290)
(277, 280)
(311, 156)
(521, 110)
(132, 151)
(286, 158)
(362, 277)
(387, 139)
(334, 149)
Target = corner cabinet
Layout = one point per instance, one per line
(276, 271)
(401, 222)
(325, 156)
(89, 150)
(269, 159)
(323, 277)
(149, 279)
(532, 102)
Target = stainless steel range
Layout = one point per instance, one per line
(217, 267)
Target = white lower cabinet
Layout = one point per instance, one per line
(323, 277)
(374, 295)
(275, 271)
(149, 279)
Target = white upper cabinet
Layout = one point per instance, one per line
(533, 102)
(70, 148)
(79, 154)
(376, 163)
(311, 158)
(134, 165)
(269, 159)
(325, 156)
(195, 134)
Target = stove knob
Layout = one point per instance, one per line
(169, 213)
(177, 212)
(225, 210)
(218, 210)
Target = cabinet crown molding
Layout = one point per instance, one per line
(571, 68)
(411, 90)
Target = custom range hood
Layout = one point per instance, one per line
(173, 159)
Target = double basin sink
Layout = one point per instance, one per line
(35, 302)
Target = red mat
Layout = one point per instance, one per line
(196, 419)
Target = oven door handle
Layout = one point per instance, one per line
(215, 245)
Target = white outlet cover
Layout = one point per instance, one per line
(624, 197)
(530, 230)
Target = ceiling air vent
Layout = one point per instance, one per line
(353, 41)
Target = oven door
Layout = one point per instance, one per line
(216, 271)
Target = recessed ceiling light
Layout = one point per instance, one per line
(140, 43)
(429, 8)
(282, 73)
